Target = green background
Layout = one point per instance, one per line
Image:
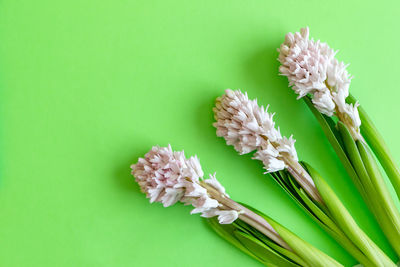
(88, 86)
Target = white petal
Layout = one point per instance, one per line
(322, 100)
(214, 183)
(195, 190)
(274, 164)
(171, 196)
(209, 213)
(154, 193)
(227, 216)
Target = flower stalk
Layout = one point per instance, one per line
(169, 177)
(246, 215)
(379, 146)
(304, 179)
(249, 127)
(315, 74)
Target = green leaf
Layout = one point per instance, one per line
(330, 225)
(226, 231)
(356, 160)
(265, 253)
(244, 227)
(244, 238)
(348, 153)
(308, 253)
(283, 251)
(375, 201)
(289, 184)
(311, 255)
(382, 194)
(358, 165)
(378, 145)
(368, 253)
(319, 215)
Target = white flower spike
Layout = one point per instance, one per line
(311, 68)
(168, 177)
(249, 127)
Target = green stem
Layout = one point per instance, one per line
(338, 222)
(340, 215)
(382, 194)
(378, 202)
(378, 145)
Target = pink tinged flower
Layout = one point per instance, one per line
(240, 121)
(168, 177)
(159, 170)
(249, 127)
(304, 62)
(256, 131)
(311, 68)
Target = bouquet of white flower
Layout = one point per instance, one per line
(315, 74)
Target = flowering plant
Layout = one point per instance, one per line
(315, 74)
(249, 127)
(169, 177)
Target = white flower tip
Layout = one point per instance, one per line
(212, 181)
(167, 176)
(305, 32)
(227, 216)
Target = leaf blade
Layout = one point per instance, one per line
(378, 145)
(371, 254)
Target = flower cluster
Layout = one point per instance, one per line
(167, 176)
(248, 127)
(311, 68)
